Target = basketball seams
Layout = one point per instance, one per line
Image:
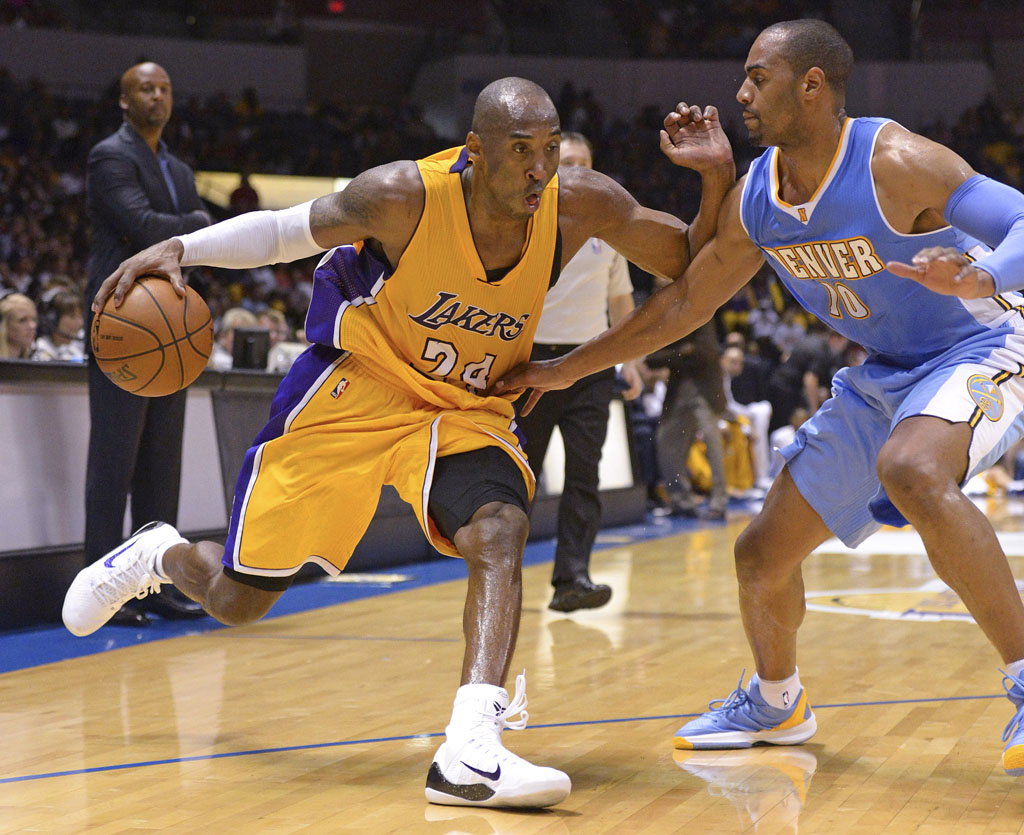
(189, 333)
(144, 284)
(159, 308)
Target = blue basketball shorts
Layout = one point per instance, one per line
(833, 457)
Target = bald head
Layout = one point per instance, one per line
(146, 99)
(132, 76)
(813, 43)
(508, 102)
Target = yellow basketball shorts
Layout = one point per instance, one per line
(310, 483)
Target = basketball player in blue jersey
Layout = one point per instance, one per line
(859, 217)
(430, 290)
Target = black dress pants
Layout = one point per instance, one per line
(134, 448)
(581, 414)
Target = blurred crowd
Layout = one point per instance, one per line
(668, 28)
(44, 141)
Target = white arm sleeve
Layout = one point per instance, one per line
(252, 240)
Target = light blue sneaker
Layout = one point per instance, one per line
(744, 719)
(1013, 736)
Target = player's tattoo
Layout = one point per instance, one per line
(354, 205)
(357, 202)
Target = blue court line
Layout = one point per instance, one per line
(341, 743)
(34, 646)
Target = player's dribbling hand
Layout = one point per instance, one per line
(694, 138)
(161, 259)
(945, 270)
(542, 376)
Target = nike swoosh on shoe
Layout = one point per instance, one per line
(490, 775)
(109, 561)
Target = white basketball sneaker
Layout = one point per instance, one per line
(128, 571)
(473, 768)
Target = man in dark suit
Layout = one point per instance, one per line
(138, 193)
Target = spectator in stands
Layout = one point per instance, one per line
(750, 385)
(18, 322)
(222, 356)
(758, 414)
(804, 378)
(138, 193)
(274, 321)
(693, 402)
(62, 337)
(244, 198)
(645, 413)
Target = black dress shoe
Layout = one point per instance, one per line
(173, 605)
(579, 594)
(129, 615)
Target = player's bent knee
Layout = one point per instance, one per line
(758, 556)
(748, 551)
(236, 604)
(497, 529)
(909, 476)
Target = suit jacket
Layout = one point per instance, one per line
(129, 204)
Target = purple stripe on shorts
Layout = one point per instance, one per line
(348, 275)
(303, 375)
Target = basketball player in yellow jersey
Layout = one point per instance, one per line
(431, 292)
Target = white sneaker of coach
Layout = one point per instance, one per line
(473, 768)
(129, 571)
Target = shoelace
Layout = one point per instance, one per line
(137, 580)
(737, 698)
(489, 741)
(517, 705)
(1009, 681)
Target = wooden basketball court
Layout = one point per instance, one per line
(326, 720)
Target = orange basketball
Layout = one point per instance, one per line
(156, 342)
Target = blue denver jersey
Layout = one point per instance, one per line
(831, 252)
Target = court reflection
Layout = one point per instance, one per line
(767, 785)
(465, 820)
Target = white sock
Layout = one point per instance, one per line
(158, 561)
(781, 694)
(1016, 668)
(158, 564)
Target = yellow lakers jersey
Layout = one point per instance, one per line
(435, 326)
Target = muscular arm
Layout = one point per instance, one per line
(593, 205)
(383, 204)
(724, 265)
(915, 178)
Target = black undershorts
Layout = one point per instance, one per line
(466, 481)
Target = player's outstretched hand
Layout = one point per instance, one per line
(542, 376)
(945, 270)
(162, 259)
(694, 138)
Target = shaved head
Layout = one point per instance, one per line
(508, 102)
(133, 75)
(814, 43)
(147, 99)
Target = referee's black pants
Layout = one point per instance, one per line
(581, 414)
